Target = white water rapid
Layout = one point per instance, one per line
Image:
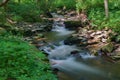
(74, 66)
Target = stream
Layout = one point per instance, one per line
(73, 62)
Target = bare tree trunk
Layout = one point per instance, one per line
(4, 2)
(106, 8)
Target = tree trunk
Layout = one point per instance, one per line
(106, 8)
(4, 2)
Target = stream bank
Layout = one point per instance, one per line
(73, 57)
(81, 49)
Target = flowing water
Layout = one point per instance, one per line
(73, 62)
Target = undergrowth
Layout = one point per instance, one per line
(22, 61)
(96, 13)
(30, 11)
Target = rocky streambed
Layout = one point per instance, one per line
(74, 49)
(98, 42)
(81, 53)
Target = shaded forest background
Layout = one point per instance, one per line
(30, 10)
(21, 60)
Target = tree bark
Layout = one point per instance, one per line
(4, 2)
(106, 8)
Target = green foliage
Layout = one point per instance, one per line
(30, 10)
(97, 17)
(52, 5)
(95, 12)
(45, 5)
(2, 16)
(21, 61)
(24, 11)
(87, 4)
(68, 4)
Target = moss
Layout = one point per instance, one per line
(73, 24)
(108, 48)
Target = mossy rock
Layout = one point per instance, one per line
(72, 40)
(94, 52)
(115, 37)
(72, 24)
(116, 56)
(108, 48)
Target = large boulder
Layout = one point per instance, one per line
(75, 40)
(72, 24)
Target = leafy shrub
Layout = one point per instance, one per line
(21, 61)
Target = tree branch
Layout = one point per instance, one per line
(4, 2)
(106, 8)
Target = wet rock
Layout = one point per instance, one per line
(75, 52)
(95, 48)
(117, 49)
(116, 53)
(72, 24)
(117, 57)
(48, 14)
(74, 40)
(108, 48)
(98, 32)
(42, 27)
(29, 29)
(108, 58)
(71, 41)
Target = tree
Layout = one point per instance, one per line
(106, 8)
(4, 2)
